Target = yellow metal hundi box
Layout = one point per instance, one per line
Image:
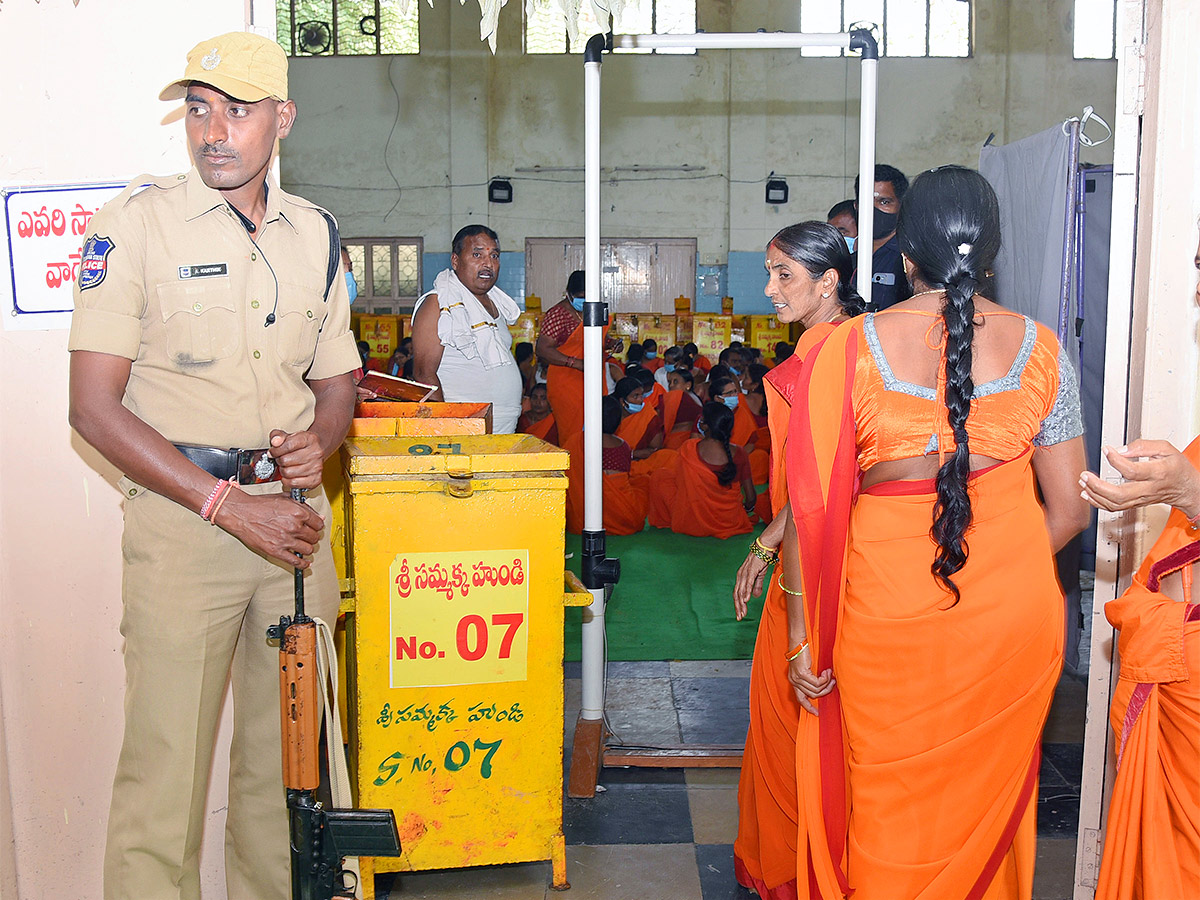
(457, 644)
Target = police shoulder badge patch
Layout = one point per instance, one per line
(94, 265)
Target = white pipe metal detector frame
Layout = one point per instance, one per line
(598, 570)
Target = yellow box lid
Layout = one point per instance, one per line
(458, 455)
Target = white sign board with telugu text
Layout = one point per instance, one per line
(44, 232)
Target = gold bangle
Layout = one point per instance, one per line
(797, 650)
(760, 550)
(785, 589)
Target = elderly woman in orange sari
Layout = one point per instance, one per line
(925, 616)
(809, 280)
(1152, 844)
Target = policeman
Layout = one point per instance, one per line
(210, 314)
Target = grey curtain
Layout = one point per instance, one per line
(1030, 179)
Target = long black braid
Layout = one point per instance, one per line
(718, 422)
(950, 229)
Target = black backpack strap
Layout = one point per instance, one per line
(335, 252)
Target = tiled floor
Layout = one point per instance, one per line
(667, 834)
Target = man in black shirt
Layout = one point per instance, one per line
(889, 286)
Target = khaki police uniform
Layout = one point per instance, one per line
(173, 280)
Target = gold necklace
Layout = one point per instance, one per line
(923, 293)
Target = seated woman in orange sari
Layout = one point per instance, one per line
(626, 496)
(707, 492)
(653, 391)
(641, 425)
(539, 420)
(700, 363)
(681, 409)
(809, 280)
(926, 618)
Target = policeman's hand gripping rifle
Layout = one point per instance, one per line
(320, 837)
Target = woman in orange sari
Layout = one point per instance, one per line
(809, 281)
(925, 616)
(560, 347)
(539, 420)
(626, 496)
(1152, 844)
(681, 409)
(707, 492)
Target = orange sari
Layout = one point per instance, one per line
(626, 496)
(687, 498)
(633, 430)
(1152, 845)
(564, 387)
(543, 429)
(746, 432)
(888, 807)
(671, 403)
(764, 854)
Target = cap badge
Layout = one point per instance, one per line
(211, 61)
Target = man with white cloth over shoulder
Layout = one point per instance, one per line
(466, 349)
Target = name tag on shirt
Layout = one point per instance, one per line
(888, 278)
(204, 271)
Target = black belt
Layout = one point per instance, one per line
(240, 466)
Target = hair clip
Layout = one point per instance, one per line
(964, 248)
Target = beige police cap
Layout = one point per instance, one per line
(243, 65)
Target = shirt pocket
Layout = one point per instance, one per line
(200, 320)
(298, 321)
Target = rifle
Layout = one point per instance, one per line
(320, 837)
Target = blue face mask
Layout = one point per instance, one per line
(670, 367)
(577, 302)
(849, 242)
(731, 402)
(352, 286)
(734, 371)
(634, 407)
(651, 354)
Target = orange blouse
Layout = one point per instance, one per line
(1035, 403)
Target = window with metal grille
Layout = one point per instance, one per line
(909, 27)
(388, 272)
(1095, 29)
(546, 33)
(347, 27)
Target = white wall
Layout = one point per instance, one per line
(464, 116)
(80, 105)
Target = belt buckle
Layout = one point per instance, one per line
(256, 467)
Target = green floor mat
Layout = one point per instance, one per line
(674, 600)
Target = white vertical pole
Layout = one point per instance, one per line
(866, 175)
(592, 668)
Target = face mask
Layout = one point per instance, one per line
(651, 354)
(670, 367)
(634, 407)
(883, 224)
(734, 371)
(577, 302)
(849, 243)
(731, 402)
(352, 286)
